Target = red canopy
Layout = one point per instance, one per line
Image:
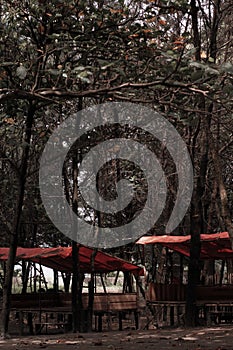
(213, 246)
(61, 259)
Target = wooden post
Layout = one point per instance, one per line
(91, 291)
(120, 321)
(34, 278)
(103, 284)
(75, 263)
(30, 323)
(55, 281)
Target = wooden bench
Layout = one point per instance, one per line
(37, 319)
(218, 303)
(32, 305)
(29, 305)
(39, 326)
(217, 312)
(19, 301)
(215, 303)
(119, 304)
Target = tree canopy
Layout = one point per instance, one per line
(59, 57)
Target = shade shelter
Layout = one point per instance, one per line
(213, 246)
(215, 301)
(60, 259)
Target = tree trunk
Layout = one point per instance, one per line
(75, 253)
(66, 277)
(225, 211)
(197, 224)
(7, 287)
(25, 275)
(77, 285)
(193, 276)
(78, 277)
(195, 28)
(55, 281)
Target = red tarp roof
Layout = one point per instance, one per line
(213, 246)
(61, 259)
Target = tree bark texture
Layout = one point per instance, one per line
(7, 287)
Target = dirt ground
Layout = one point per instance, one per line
(214, 338)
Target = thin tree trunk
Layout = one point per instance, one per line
(55, 281)
(193, 269)
(195, 28)
(25, 275)
(77, 279)
(16, 226)
(75, 254)
(66, 281)
(225, 211)
(222, 273)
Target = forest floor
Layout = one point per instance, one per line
(203, 338)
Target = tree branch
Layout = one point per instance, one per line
(47, 94)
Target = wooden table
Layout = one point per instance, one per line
(44, 318)
(40, 306)
(218, 311)
(211, 311)
(169, 312)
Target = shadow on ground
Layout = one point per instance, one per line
(215, 338)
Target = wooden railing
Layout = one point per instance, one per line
(166, 292)
(175, 292)
(215, 293)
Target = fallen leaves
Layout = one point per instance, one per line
(98, 342)
(9, 121)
